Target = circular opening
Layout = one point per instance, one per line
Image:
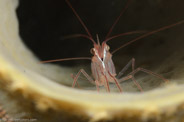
(43, 25)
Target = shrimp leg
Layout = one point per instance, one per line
(116, 81)
(97, 85)
(130, 76)
(148, 72)
(85, 74)
(76, 81)
(131, 62)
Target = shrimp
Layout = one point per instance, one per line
(102, 66)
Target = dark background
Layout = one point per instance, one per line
(44, 23)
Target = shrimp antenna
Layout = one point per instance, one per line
(66, 59)
(124, 34)
(77, 35)
(80, 20)
(116, 21)
(148, 34)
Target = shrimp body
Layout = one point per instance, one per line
(102, 65)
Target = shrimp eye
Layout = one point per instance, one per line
(92, 51)
(107, 47)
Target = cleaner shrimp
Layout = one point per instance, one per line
(102, 66)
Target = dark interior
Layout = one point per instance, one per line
(44, 23)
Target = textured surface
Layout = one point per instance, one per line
(42, 91)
